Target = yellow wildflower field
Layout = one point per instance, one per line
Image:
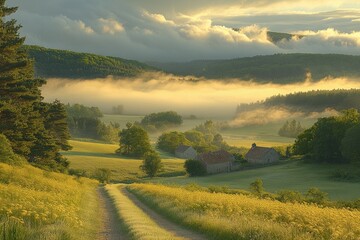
(38, 204)
(224, 216)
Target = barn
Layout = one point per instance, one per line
(217, 162)
(262, 155)
(185, 152)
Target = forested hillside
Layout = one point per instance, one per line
(312, 101)
(68, 64)
(278, 68)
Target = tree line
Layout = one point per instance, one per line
(85, 122)
(308, 102)
(278, 68)
(69, 64)
(332, 139)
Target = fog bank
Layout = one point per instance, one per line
(153, 92)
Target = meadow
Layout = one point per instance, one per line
(224, 216)
(37, 204)
(90, 156)
(294, 175)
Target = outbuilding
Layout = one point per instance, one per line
(262, 155)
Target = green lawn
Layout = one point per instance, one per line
(89, 156)
(294, 175)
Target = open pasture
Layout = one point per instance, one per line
(89, 156)
(295, 175)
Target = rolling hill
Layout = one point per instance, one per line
(278, 68)
(68, 64)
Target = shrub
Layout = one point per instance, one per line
(290, 196)
(257, 187)
(78, 172)
(314, 195)
(194, 168)
(103, 175)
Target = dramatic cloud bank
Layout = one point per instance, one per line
(163, 30)
(187, 95)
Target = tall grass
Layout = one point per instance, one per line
(224, 216)
(138, 224)
(36, 204)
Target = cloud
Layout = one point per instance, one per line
(329, 40)
(262, 116)
(110, 26)
(172, 30)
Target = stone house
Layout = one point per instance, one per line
(217, 162)
(262, 155)
(185, 152)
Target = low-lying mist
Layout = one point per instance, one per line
(153, 92)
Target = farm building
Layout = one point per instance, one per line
(217, 162)
(186, 152)
(262, 155)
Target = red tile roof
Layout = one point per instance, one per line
(220, 156)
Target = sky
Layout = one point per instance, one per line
(173, 30)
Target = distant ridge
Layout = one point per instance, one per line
(278, 68)
(68, 64)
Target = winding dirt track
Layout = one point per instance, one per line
(178, 231)
(110, 223)
(112, 231)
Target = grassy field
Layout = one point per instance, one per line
(227, 216)
(294, 175)
(36, 204)
(89, 156)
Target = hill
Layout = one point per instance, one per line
(278, 68)
(308, 102)
(37, 204)
(68, 64)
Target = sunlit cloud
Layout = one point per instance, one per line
(110, 26)
(169, 30)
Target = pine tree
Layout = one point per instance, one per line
(21, 119)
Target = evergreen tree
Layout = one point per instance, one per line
(21, 119)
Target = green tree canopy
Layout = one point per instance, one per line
(170, 141)
(161, 120)
(134, 141)
(323, 140)
(350, 144)
(151, 163)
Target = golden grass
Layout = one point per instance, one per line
(89, 156)
(223, 216)
(46, 205)
(139, 225)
